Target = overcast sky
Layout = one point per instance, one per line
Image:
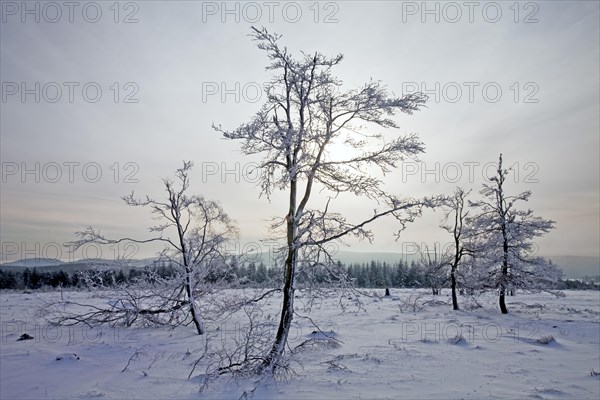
(83, 95)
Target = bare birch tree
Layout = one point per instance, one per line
(307, 114)
(505, 240)
(454, 222)
(195, 232)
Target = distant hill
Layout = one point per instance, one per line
(34, 263)
(574, 267)
(50, 265)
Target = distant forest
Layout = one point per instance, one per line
(373, 274)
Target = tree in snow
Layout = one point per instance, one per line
(195, 232)
(505, 241)
(454, 223)
(317, 136)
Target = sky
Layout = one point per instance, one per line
(101, 98)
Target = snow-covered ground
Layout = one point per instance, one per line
(545, 348)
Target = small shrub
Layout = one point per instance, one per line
(24, 337)
(458, 339)
(545, 339)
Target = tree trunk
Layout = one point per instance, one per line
(188, 284)
(453, 285)
(287, 312)
(503, 308)
(287, 308)
(193, 309)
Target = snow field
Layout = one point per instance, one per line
(409, 345)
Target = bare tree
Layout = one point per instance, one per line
(505, 240)
(195, 232)
(454, 223)
(307, 116)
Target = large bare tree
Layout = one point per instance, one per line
(317, 136)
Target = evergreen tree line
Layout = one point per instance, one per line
(374, 274)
